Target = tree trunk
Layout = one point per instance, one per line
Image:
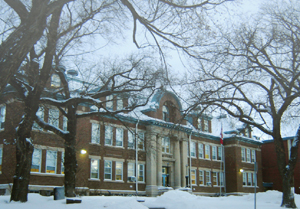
(22, 173)
(24, 150)
(70, 154)
(288, 199)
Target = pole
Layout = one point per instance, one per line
(255, 176)
(221, 169)
(190, 162)
(136, 158)
(223, 157)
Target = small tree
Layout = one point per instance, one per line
(253, 74)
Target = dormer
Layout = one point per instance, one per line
(165, 105)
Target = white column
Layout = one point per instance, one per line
(151, 161)
(184, 162)
(159, 162)
(177, 165)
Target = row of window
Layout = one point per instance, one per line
(51, 162)
(119, 137)
(53, 118)
(119, 173)
(207, 178)
(249, 179)
(248, 155)
(206, 151)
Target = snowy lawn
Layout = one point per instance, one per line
(169, 200)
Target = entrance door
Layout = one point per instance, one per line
(165, 176)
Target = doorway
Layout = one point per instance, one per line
(165, 176)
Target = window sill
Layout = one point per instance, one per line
(47, 174)
(250, 186)
(91, 179)
(91, 143)
(120, 147)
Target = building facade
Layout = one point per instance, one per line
(155, 148)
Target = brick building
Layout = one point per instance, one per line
(271, 176)
(172, 153)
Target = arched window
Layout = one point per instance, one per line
(166, 114)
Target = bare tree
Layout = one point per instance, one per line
(23, 24)
(34, 32)
(130, 83)
(253, 74)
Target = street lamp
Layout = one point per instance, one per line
(83, 151)
(241, 170)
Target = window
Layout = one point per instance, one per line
(141, 172)
(53, 118)
(207, 151)
(1, 154)
(51, 157)
(249, 179)
(107, 169)
(108, 135)
(243, 154)
(207, 178)
(40, 114)
(131, 140)
(214, 152)
(119, 171)
(247, 132)
(220, 155)
(109, 102)
(253, 156)
(193, 176)
(200, 149)
(130, 172)
(36, 161)
(166, 115)
(244, 179)
(119, 103)
(94, 169)
(55, 80)
(119, 137)
(199, 124)
(141, 137)
(166, 145)
(215, 178)
(193, 149)
(221, 178)
(201, 177)
(95, 135)
(62, 168)
(248, 156)
(65, 123)
(2, 116)
(205, 121)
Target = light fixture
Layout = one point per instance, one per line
(83, 151)
(241, 170)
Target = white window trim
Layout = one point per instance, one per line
(95, 140)
(209, 152)
(214, 150)
(40, 151)
(111, 135)
(110, 170)
(55, 163)
(243, 154)
(122, 136)
(206, 183)
(98, 162)
(203, 177)
(121, 171)
(199, 145)
(144, 171)
(195, 176)
(194, 147)
(248, 155)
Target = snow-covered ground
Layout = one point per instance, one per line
(169, 200)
